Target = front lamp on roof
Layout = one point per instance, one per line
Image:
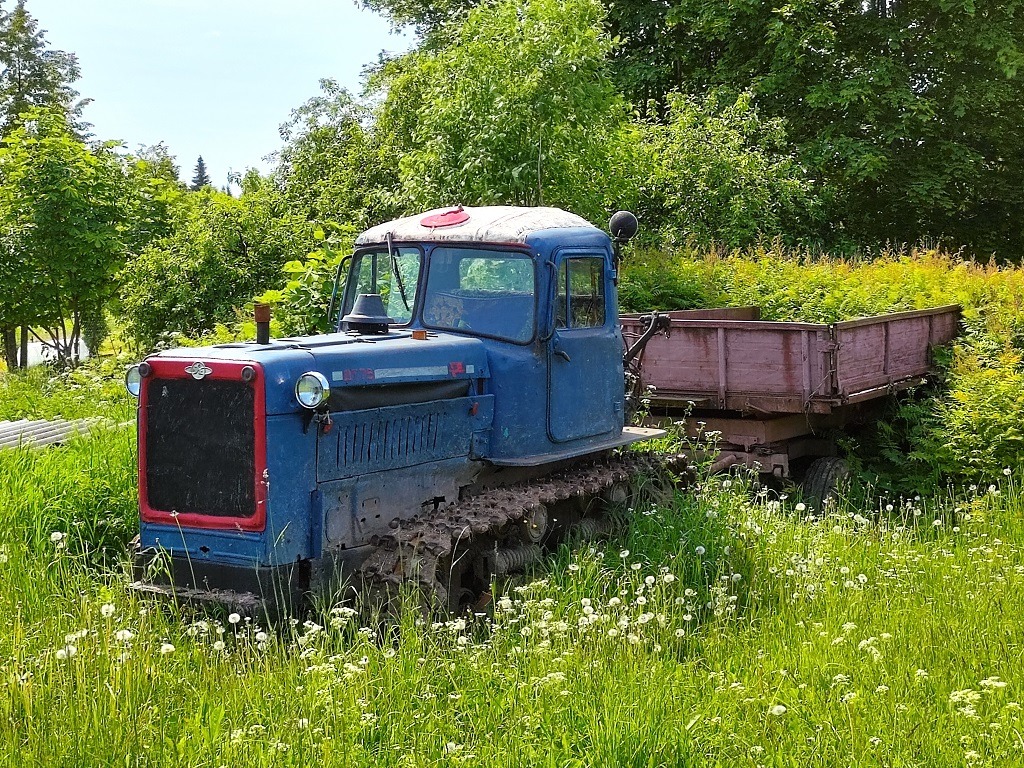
(312, 390)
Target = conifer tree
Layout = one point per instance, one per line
(200, 178)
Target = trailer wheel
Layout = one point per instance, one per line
(823, 480)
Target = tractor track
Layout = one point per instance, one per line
(423, 551)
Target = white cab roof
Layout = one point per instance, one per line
(486, 224)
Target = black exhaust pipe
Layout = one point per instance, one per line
(262, 315)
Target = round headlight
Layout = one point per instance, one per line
(133, 381)
(312, 389)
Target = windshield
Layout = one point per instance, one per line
(490, 293)
(395, 277)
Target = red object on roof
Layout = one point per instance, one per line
(448, 218)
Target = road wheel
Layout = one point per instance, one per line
(823, 480)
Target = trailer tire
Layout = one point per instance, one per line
(823, 480)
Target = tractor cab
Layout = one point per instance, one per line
(537, 287)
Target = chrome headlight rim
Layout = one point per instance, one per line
(133, 380)
(321, 386)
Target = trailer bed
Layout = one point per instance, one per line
(732, 361)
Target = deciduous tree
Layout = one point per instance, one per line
(515, 107)
(31, 75)
(63, 213)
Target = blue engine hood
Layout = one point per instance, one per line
(350, 360)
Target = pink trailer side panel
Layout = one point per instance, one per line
(892, 350)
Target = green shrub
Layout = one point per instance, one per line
(221, 252)
(301, 306)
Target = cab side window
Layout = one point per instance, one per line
(580, 302)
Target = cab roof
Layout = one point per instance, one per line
(484, 224)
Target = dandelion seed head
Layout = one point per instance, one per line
(234, 618)
(166, 648)
(777, 710)
(106, 610)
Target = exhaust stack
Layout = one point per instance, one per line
(262, 314)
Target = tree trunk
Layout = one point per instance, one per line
(10, 347)
(23, 363)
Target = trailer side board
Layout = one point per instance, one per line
(783, 367)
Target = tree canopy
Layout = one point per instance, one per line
(63, 209)
(905, 114)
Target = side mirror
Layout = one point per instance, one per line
(623, 226)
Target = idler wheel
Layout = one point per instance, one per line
(534, 525)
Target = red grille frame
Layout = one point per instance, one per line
(174, 368)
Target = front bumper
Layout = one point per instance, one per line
(258, 591)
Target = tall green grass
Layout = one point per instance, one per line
(720, 628)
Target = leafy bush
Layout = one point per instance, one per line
(301, 306)
(714, 171)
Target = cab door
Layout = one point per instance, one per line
(585, 381)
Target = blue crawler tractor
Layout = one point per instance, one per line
(467, 411)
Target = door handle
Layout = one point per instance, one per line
(557, 350)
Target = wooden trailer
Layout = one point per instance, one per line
(772, 392)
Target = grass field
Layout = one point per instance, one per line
(720, 628)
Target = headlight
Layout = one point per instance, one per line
(133, 381)
(312, 389)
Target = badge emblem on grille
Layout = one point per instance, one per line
(198, 370)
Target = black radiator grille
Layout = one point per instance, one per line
(200, 447)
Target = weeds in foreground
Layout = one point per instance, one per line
(722, 626)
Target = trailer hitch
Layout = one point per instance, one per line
(656, 323)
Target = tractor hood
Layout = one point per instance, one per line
(367, 364)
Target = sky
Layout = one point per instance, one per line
(210, 77)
